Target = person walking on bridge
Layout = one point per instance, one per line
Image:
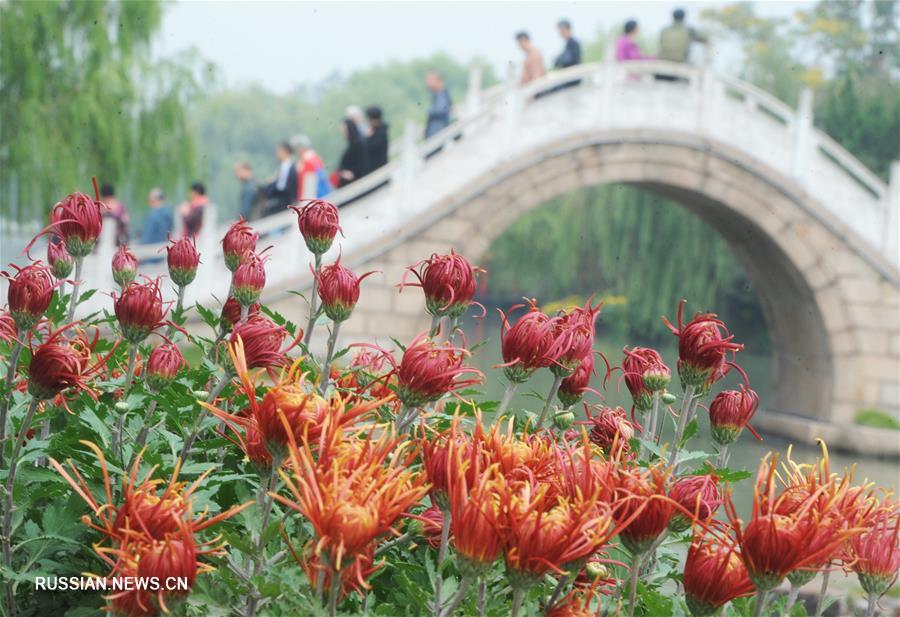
(627, 47)
(282, 190)
(158, 224)
(675, 43)
(533, 65)
(439, 111)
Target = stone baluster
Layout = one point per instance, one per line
(512, 102)
(892, 216)
(473, 94)
(709, 101)
(607, 83)
(209, 274)
(803, 134)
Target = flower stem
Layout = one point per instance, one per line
(633, 583)
(518, 596)
(822, 592)
(761, 597)
(265, 502)
(195, 431)
(482, 596)
(76, 287)
(141, 440)
(557, 380)
(557, 592)
(179, 305)
(405, 418)
(4, 404)
(334, 592)
(508, 395)
(435, 328)
(325, 377)
(313, 304)
(458, 597)
(120, 421)
(722, 459)
(686, 404)
(870, 607)
(792, 598)
(442, 555)
(392, 543)
(9, 502)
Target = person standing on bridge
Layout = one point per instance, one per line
(675, 40)
(533, 65)
(117, 211)
(571, 53)
(354, 160)
(192, 210)
(377, 139)
(158, 224)
(439, 111)
(627, 47)
(244, 173)
(282, 190)
(312, 179)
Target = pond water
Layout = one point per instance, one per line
(744, 454)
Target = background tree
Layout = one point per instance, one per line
(81, 97)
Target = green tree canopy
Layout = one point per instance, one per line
(81, 97)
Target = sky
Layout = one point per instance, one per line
(281, 44)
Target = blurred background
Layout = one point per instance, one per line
(157, 94)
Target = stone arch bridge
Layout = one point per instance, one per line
(815, 230)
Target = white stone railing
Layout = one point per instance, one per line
(614, 96)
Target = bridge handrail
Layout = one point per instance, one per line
(598, 75)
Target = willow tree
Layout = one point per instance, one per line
(80, 97)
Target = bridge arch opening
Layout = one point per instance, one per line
(756, 220)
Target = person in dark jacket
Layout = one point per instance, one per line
(377, 141)
(571, 53)
(282, 190)
(354, 160)
(441, 105)
(117, 211)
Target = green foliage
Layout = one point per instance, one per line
(80, 97)
(877, 419)
(848, 52)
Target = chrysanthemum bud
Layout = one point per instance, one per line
(432, 525)
(319, 223)
(645, 373)
(248, 280)
(668, 398)
(78, 220)
(61, 262)
(596, 570)
(139, 310)
(231, 313)
(525, 346)
(182, 258)
(703, 346)
(29, 294)
(163, 365)
(729, 412)
(696, 494)
(610, 428)
(448, 282)
(713, 576)
(239, 240)
(59, 364)
(877, 552)
(573, 333)
(338, 288)
(428, 371)
(124, 266)
(262, 341)
(572, 388)
(563, 419)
